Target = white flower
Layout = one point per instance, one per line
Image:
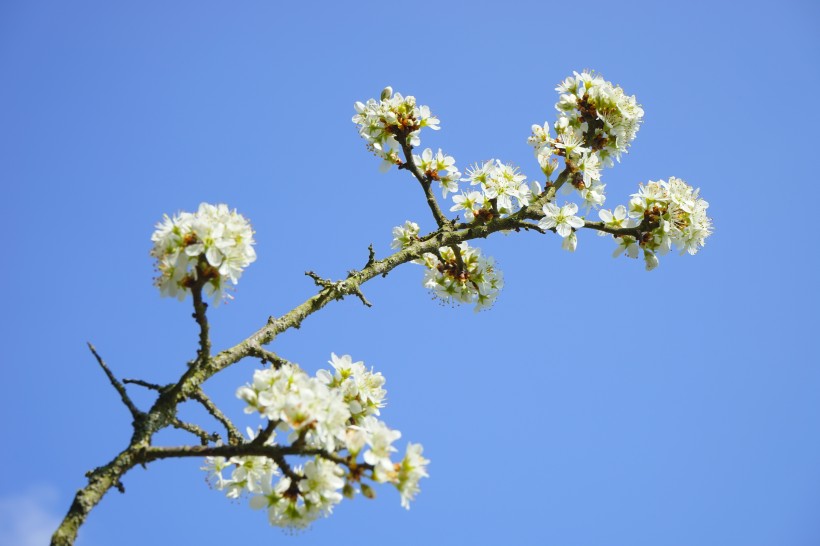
(380, 440)
(563, 219)
(470, 203)
(405, 235)
(411, 469)
(626, 244)
(615, 220)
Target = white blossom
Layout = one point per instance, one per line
(562, 219)
(412, 468)
(405, 235)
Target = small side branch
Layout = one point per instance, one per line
(371, 257)
(234, 436)
(147, 385)
(528, 226)
(340, 289)
(266, 433)
(618, 232)
(203, 436)
(135, 412)
(269, 356)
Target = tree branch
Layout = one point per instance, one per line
(163, 412)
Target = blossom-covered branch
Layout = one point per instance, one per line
(333, 418)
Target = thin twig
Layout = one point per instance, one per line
(203, 436)
(371, 257)
(339, 289)
(266, 433)
(234, 436)
(147, 385)
(619, 232)
(269, 356)
(135, 412)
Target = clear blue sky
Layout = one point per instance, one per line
(595, 404)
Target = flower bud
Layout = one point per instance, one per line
(368, 492)
(387, 92)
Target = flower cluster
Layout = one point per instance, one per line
(333, 413)
(455, 274)
(211, 246)
(597, 121)
(503, 191)
(590, 104)
(668, 213)
(460, 274)
(394, 116)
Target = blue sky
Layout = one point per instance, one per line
(594, 404)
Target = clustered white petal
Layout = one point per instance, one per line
(597, 122)
(463, 277)
(380, 122)
(334, 412)
(588, 98)
(213, 244)
(670, 213)
(503, 191)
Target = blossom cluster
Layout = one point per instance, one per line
(503, 191)
(587, 99)
(334, 413)
(597, 121)
(668, 213)
(380, 122)
(455, 274)
(213, 244)
(461, 274)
